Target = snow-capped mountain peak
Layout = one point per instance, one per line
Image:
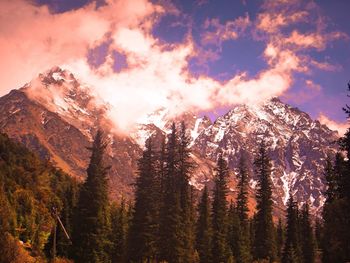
(59, 91)
(297, 145)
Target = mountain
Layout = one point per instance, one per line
(56, 116)
(297, 145)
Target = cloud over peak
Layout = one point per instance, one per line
(155, 74)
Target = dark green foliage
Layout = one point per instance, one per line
(145, 222)
(5, 218)
(238, 237)
(30, 188)
(92, 221)
(332, 182)
(318, 233)
(242, 212)
(204, 229)
(242, 198)
(279, 239)
(171, 243)
(307, 237)
(264, 245)
(252, 223)
(221, 250)
(234, 234)
(68, 193)
(120, 221)
(291, 252)
(185, 169)
(177, 229)
(336, 215)
(335, 235)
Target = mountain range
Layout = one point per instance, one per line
(56, 116)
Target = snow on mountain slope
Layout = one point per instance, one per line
(56, 115)
(60, 92)
(297, 146)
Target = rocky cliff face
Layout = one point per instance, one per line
(56, 116)
(297, 146)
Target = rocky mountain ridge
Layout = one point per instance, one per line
(56, 116)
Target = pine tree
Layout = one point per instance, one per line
(345, 186)
(336, 233)
(92, 225)
(242, 210)
(291, 248)
(204, 229)
(145, 224)
(221, 250)
(120, 226)
(242, 198)
(340, 174)
(264, 245)
(252, 223)
(331, 180)
(318, 233)
(171, 225)
(307, 238)
(5, 246)
(280, 239)
(185, 169)
(234, 233)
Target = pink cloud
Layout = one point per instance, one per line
(273, 22)
(32, 40)
(325, 66)
(313, 40)
(340, 127)
(216, 33)
(313, 86)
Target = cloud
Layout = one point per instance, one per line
(325, 66)
(276, 25)
(32, 39)
(215, 33)
(313, 86)
(154, 74)
(273, 22)
(313, 40)
(341, 127)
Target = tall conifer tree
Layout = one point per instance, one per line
(234, 233)
(185, 168)
(264, 245)
(145, 222)
(279, 239)
(171, 225)
(204, 229)
(120, 220)
(242, 198)
(307, 238)
(92, 224)
(242, 211)
(291, 248)
(221, 250)
(336, 216)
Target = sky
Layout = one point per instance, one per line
(202, 56)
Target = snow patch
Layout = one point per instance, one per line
(195, 132)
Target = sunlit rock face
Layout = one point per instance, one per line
(56, 116)
(297, 146)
